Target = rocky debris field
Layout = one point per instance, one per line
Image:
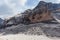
(48, 29)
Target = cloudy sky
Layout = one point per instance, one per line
(12, 7)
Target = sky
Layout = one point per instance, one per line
(10, 8)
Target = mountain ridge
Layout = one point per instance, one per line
(41, 13)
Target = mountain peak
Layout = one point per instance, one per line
(48, 5)
(42, 2)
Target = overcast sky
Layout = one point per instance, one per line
(13, 7)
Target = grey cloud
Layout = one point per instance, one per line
(5, 10)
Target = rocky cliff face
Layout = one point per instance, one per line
(42, 12)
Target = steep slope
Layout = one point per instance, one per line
(43, 12)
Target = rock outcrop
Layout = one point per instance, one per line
(43, 12)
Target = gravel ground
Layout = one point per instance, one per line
(26, 37)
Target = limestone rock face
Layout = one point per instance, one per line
(43, 12)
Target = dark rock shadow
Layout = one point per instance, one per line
(50, 22)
